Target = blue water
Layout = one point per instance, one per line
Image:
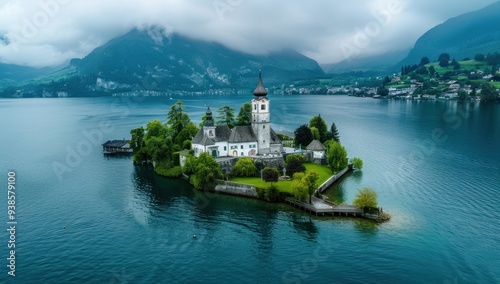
(92, 219)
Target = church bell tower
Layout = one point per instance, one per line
(261, 118)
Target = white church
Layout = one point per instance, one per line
(241, 141)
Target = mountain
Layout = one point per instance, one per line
(142, 59)
(11, 74)
(462, 36)
(378, 63)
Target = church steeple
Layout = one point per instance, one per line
(209, 120)
(260, 91)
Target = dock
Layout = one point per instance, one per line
(323, 207)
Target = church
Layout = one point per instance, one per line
(241, 141)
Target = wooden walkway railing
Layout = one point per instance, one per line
(322, 207)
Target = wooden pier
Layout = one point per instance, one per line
(323, 207)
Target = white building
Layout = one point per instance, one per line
(251, 140)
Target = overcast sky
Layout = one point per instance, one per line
(51, 32)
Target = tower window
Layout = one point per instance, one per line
(263, 107)
(254, 107)
(263, 126)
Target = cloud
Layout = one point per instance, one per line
(51, 32)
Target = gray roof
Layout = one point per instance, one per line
(115, 143)
(242, 134)
(222, 133)
(316, 146)
(274, 137)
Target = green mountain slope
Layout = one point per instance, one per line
(462, 36)
(178, 62)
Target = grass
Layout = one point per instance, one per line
(286, 185)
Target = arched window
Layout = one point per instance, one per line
(262, 107)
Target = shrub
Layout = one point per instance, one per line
(357, 162)
(244, 167)
(169, 172)
(270, 175)
(294, 164)
(273, 193)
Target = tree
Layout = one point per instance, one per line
(336, 156)
(315, 133)
(186, 133)
(270, 174)
(177, 118)
(299, 188)
(138, 144)
(382, 91)
(424, 60)
(303, 135)
(462, 95)
(422, 70)
(444, 56)
(204, 170)
(444, 63)
(226, 116)
(245, 114)
(432, 70)
(294, 164)
(455, 64)
(488, 93)
(320, 124)
(479, 57)
(244, 167)
(366, 197)
(357, 162)
(310, 180)
(334, 132)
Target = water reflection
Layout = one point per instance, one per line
(305, 226)
(357, 176)
(366, 226)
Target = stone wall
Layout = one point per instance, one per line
(234, 188)
(333, 179)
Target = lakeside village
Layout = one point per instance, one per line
(244, 156)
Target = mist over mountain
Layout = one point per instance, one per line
(462, 36)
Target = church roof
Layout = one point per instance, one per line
(274, 137)
(222, 133)
(315, 145)
(241, 134)
(260, 91)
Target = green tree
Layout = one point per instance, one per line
(315, 133)
(303, 135)
(204, 170)
(334, 133)
(244, 167)
(462, 95)
(138, 144)
(366, 197)
(294, 164)
(320, 125)
(311, 182)
(336, 156)
(479, 57)
(357, 162)
(155, 128)
(444, 56)
(270, 174)
(187, 133)
(488, 93)
(177, 118)
(245, 115)
(299, 187)
(444, 63)
(422, 70)
(424, 60)
(432, 70)
(382, 91)
(226, 116)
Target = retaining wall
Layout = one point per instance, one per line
(234, 188)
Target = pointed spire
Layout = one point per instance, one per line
(209, 121)
(260, 91)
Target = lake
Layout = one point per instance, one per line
(86, 218)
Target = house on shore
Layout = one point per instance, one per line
(117, 147)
